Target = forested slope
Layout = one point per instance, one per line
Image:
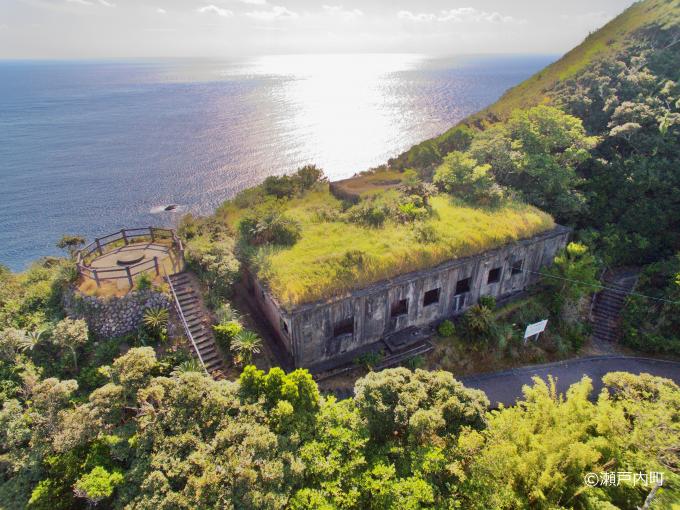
(640, 21)
(622, 84)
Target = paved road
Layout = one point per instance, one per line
(506, 387)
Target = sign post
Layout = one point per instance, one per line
(535, 329)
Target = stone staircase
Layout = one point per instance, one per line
(396, 349)
(189, 305)
(608, 303)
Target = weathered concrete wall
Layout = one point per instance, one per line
(114, 316)
(310, 337)
(279, 321)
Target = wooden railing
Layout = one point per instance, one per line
(102, 245)
(185, 326)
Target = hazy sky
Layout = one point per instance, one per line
(222, 28)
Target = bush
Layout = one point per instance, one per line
(280, 187)
(413, 211)
(189, 227)
(654, 325)
(287, 186)
(172, 358)
(425, 234)
(576, 334)
(479, 323)
(463, 177)
(446, 329)
(104, 352)
(369, 360)
(216, 264)
(487, 301)
(225, 333)
(269, 226)
(370, 214)
(90, 378)
(415, 362)
(226, 313)
(308, 176)
(155, 321)
(143, 282)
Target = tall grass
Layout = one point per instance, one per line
(333, 257)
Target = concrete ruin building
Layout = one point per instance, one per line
(387, 315)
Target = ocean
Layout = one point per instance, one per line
(88, 147)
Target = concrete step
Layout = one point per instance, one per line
(613, 302)
(207, 351)
(185, 294)
(211, 359)
(608, 307)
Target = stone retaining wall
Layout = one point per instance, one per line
(113, 316)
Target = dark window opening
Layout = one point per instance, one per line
(431, 297)
(399, 308)
(516, 267)
(284, 326)
(494, 275)
(344, 327)
(463, 286)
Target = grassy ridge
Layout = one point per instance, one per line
(607, 41)
(610, 40)
(333, 257)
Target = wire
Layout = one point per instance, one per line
(603, 287)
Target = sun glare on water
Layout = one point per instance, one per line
(342, 106)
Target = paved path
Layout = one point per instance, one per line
(506, 387)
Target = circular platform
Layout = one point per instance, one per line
(121, 257)
(130, 255)
(130, 258)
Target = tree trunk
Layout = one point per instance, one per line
(75, 358)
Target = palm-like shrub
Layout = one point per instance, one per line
(225, 313)
(479, 323)
(155, 320)
(269, 225)
(245, 345)
(190, 365)
(31, 340)
(225, 333)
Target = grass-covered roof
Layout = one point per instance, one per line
(336, 251)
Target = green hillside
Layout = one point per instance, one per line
(622, 85)
(642, 21)
(613, 38)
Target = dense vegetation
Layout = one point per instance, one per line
(133, 422)
(115, 423)
(145, 438)
(601, 156)
(654, 325)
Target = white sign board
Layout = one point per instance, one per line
(535, 328)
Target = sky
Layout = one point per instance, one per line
(73, 29)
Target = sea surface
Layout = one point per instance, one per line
(89, 147)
